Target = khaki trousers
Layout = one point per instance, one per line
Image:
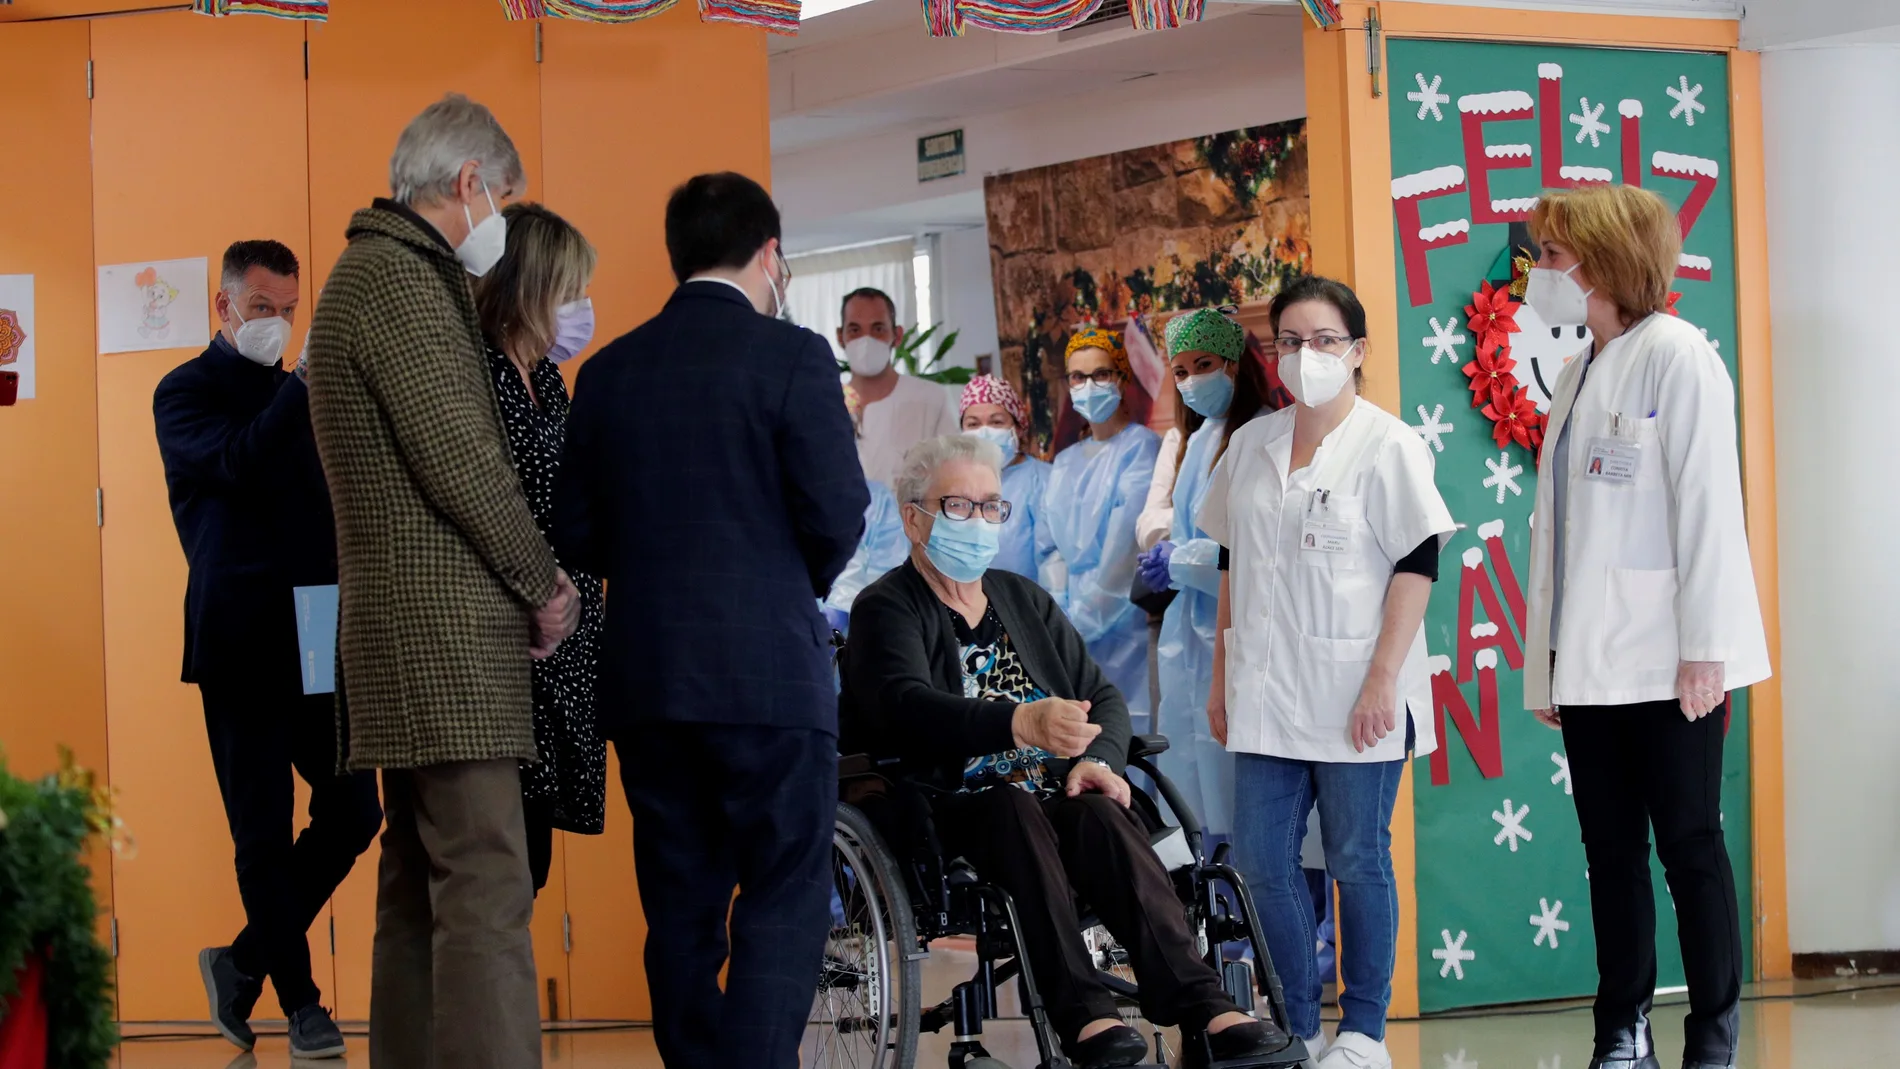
(453, 978)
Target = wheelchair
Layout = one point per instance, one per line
(895, 892)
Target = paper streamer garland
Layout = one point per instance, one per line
(949, 18)
(301, 10)
(777, 16)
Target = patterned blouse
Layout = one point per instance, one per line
(568, 788)
(992, 671)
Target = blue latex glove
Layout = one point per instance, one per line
(1153, 565)
(839, 619)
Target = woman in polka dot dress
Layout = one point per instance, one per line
(536, 315)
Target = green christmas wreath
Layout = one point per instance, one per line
(47, 909)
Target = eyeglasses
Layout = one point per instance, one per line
(962, 508)
(1334, 344)
(1108, 376)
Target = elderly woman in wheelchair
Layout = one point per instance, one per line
(987, 693)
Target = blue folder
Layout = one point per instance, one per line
(316, 637)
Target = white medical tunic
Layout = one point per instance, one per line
(1311, 555)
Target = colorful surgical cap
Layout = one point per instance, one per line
(1206, 330)
(1096, 338)
(990, 390)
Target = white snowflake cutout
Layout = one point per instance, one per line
(1562, 775)
(1459, 1061)
(1589, 122)
(1512, 822)
(1432, 428)
(1428, 98)
(1504, 475)
(1688, 100)
(1548, 923)
(1454, 955)
(1445, 340)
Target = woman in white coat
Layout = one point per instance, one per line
(1333, 527)
(1641, 590)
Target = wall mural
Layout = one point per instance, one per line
(1478, 131)
(1125, 238)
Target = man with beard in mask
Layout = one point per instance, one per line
(253, 514)
(895, 411)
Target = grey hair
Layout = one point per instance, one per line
(433, 147)
(922, 461)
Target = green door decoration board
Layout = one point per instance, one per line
(1478, 132)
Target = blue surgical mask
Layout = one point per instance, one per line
(1095, 402)
(962, 549)
(1000, 437)
(1208, 394)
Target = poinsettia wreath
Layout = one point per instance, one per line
(1492, 319)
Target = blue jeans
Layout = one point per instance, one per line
(1272, 797)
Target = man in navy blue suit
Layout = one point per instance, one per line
(711, 477)
(253, 514)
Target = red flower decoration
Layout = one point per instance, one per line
(1490, 374)
(1492, 315)
(1671, 307)
(1514, 418)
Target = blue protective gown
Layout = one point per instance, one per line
(882, 548)
(1095, 491)
(1023, 485)
(1201, 767)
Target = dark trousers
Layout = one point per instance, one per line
(540, 848)
(259, 732)
(1045, 853)
(452, 977)
(1639, 766)
(718, 807)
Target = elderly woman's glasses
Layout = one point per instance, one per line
(1336, 344)
(1108, 376)
(962, 508)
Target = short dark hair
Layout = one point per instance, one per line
(717, 220)
(868, 293)
(1326, 291)
(272, 256)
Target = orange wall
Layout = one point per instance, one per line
(202, 132)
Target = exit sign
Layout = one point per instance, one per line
(940, 156)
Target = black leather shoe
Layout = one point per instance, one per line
(232, 996)
(1117, 1048)
(1254, 1039)
(1647, 1061)
(1708, 1065)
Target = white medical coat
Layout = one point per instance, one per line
(1304, 621)
(1658, 570)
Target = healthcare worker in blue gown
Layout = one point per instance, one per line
(1096, 489)
(1218, 388)
(991, 410)
(881, 548)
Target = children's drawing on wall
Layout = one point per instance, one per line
(153, 305)
(16, 335)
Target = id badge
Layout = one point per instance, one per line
(1614, 460)
(1324, 534)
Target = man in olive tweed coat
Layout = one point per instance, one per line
(446, 589)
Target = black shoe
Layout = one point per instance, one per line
(232, 994)
(1647, 1061)
(314, 1035)
(1255, 1039)
(1116, 1048)
(1686, 1064)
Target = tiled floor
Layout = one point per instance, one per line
(1785, 1026)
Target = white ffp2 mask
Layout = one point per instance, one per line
(1556, 297)
(867, 355)
(481, 250)
(261, 340)
(1313, 377)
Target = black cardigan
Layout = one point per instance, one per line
(903, 684)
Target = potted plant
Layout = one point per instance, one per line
(55, 985)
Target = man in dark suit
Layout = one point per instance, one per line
(253, 514)
(711, 477)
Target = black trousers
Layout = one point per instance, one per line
(718, 807)
(1634, 767)
(260, 730)
(540, 848)
(1045, 852)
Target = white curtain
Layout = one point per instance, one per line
(821, 279)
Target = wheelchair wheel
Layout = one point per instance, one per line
(869, 996)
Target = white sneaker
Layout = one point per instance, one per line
(1351, 1050)
(1316, 1045)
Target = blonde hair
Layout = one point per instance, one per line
(1626, 239)
(547, 264)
